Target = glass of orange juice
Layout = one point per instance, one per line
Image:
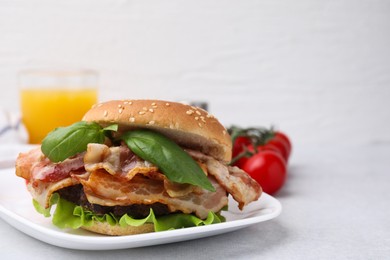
(51, 99)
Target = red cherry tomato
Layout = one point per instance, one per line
(239, 144)
(261, 148)
(240, 162)
(269, 169)
(277, 144)
(286, 139)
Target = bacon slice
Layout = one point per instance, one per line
(25, 161)
(238, 183)
(34, 166)
(107, 190)
(43, 177)
(41, 191)
(117, 160)
(121, 162)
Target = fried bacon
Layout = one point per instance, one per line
(114, 176)
(100, 157)
(37, 167)
(106, 190)
(117, 160)
(238, 183)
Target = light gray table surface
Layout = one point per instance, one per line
(336, 205)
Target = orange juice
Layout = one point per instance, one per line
(44, 109)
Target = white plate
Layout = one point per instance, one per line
(16, 209)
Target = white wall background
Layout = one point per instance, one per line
(319, 70)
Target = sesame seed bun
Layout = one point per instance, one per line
(190, 127)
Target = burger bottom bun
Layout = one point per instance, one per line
(107, 229)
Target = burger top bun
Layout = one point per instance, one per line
(190, 127)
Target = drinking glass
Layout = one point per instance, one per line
(50, 99)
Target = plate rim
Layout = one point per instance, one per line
(73, 241)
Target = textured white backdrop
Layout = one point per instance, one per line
(319, 70)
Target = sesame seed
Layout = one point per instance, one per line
(130, 102)
(209, 116)
(203, 120)
(120, 110)
(105, 113)
(151, 122)
(190, 112)
(153, 104)
(132, 119)
(196, 118)
(199, 124)
(151, 110)
(119, 105)
(126, 102)
(167, 104)
(224, 132)
(141, 112)
(198, 112)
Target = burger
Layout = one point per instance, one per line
(136, 166)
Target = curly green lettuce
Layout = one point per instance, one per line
(70, 215)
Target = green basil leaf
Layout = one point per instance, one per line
(170, 158)
(64, 142)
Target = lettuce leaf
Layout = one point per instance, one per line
(69, 215)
